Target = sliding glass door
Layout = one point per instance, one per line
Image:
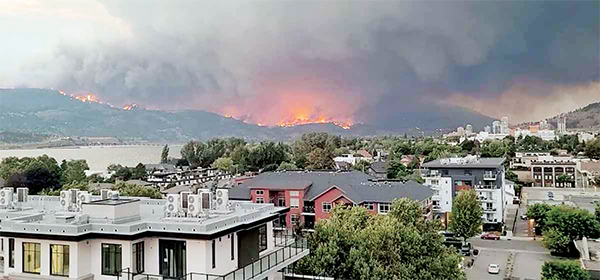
(172, 258)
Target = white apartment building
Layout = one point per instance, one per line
(199, 236)
(484, 175)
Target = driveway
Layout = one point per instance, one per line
(529, 258)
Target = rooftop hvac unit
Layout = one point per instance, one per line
(65, 200)
(206, 197)
(184, 200)
(6, 197)
(113, 195)
(74, 196)
(194, 205)
(172, 204)
(83, 197)
(222, 199)
(22, 194)
(104, 194)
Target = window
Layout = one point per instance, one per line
(232, 246)
(138, 258)
(294, 202)
(435, 182)
(370, 206)
(111, 259)
(281, 201)
(11, 252)
(59, 260)
(294, 193)
(262, 238)
(326, 207)
(259, 192)
(32, 253)
(384, 208)
(260, 200)
(294, 219)
(214, 254)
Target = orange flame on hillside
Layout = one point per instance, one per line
(130, 107)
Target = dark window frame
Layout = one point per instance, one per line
(138, 257)
(63, 255)
(262, 238)
(214, 254)
(36, 256)
(232, 246)
(118, 265)
(11, 252)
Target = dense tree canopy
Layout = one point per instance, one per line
(592, 149)
(353, 244)
(73, 171)
(164, 155)
(563, 270)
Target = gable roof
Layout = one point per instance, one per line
(355, 185)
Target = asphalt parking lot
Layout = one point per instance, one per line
(529, 258)
(572, 196)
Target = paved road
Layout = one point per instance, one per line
(530, 257)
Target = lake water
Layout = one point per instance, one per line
(100, 157)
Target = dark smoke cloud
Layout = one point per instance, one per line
(361, 60)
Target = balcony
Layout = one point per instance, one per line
(485, 198)
(490, 176)
(489, 209)
(308, 210)
(436, 207)
(487, 187)
(287, 251)
(430, 173)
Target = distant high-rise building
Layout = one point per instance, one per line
(469, 129)
(561, 125)
(496, 127)
(544, 125)
(487, 129)
(460, 131)
(504, 125)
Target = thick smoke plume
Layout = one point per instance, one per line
(271, 61)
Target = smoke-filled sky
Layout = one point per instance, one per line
(269, 61)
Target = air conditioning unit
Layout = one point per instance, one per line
(65, 200)
(22, 194)
(104, 194)
(222, 199)
(6, 197)
(194, 205)
(172, 204)
(113, 195)
(206, 197)
(184, 200)
(74, 193)
(83, 197)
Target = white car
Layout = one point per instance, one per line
(493, 268)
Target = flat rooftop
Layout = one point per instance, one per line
(42, 217)
(465, 163)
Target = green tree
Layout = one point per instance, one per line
(556, 241)
(396, 169)
(352, 244)
(320, 159)
(592, 148)
(223, 164)
(164, 155)
(539, 213)
(196, 153)
(138, 172)
(493, 148)
(564, 178)
(563, 224)
(362, 165)
(563, 270)
(138, 191)
(73, 171)
(287, 166)
(466, 214)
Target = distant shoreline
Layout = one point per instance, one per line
(39, 146)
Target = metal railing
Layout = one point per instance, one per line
(287, 247)
(308, 209)
(491, 176)
(486, 187)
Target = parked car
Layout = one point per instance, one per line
(516, 201)
(490, 235)
(465, 249)
(493, 268)
(550, 196)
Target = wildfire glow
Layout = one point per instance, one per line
(130, 107)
